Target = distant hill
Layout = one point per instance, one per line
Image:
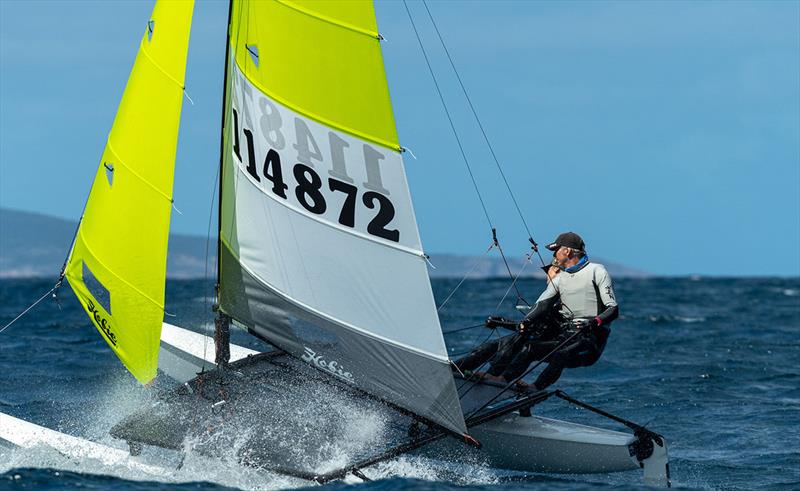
(455, 266)
(35, 245)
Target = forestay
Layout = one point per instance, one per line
(117, 266)
(320, 252)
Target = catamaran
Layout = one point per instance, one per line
(319, 256)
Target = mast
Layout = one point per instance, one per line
(222, 322)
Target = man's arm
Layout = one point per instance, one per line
(606, 291)
(546, 301)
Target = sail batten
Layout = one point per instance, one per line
(320, 252)
(317, 68)
(389, 144)
(96, 258)
(119, 161)
(144, 51)
(345, 25)
(123, 233)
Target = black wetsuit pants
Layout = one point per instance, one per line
(499, 352)
(511, 355)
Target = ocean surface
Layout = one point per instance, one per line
(712, 364)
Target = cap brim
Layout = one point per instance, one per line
(552, 247)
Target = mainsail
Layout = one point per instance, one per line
(319, 248)
(117, 266)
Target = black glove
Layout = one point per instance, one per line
(494, 322)
(589, 325)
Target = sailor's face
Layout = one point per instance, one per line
(562, 255)
(559, 255)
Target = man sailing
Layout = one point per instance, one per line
(578, 305)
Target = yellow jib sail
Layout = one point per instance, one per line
(117, 266)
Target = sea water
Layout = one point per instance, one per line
(712, 364)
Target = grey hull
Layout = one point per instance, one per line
(526, 444)
(537, 444)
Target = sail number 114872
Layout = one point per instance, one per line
(309, 189)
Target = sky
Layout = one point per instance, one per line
(667, 134)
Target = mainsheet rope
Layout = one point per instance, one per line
(520, 377)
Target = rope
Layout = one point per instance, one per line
(34, 304)
(462, 329)
(491, 358)
(534, 245)
(453, 292)
(508, 268)
(449, 118)
(480, 125)
(461, 147)
(205, 272)
(529, 370)
(524, 265)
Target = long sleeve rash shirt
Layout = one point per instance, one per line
(586, 293)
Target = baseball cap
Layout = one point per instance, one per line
(567, 239)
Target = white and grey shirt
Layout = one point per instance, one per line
(586, 293)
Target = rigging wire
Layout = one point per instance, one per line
(205, 272)
(453, 292)
(480, 125)
(462, 329)
(449, 118)
(508, 268)
(524, 265)
(460, 146)
(520, 377)
(34, 304)
(534, 245)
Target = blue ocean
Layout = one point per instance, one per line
(711, 364)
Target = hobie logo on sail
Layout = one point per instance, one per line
(332, 367)
(101, 322)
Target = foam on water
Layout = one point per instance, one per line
(712, 363)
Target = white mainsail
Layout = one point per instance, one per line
(319, 248)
